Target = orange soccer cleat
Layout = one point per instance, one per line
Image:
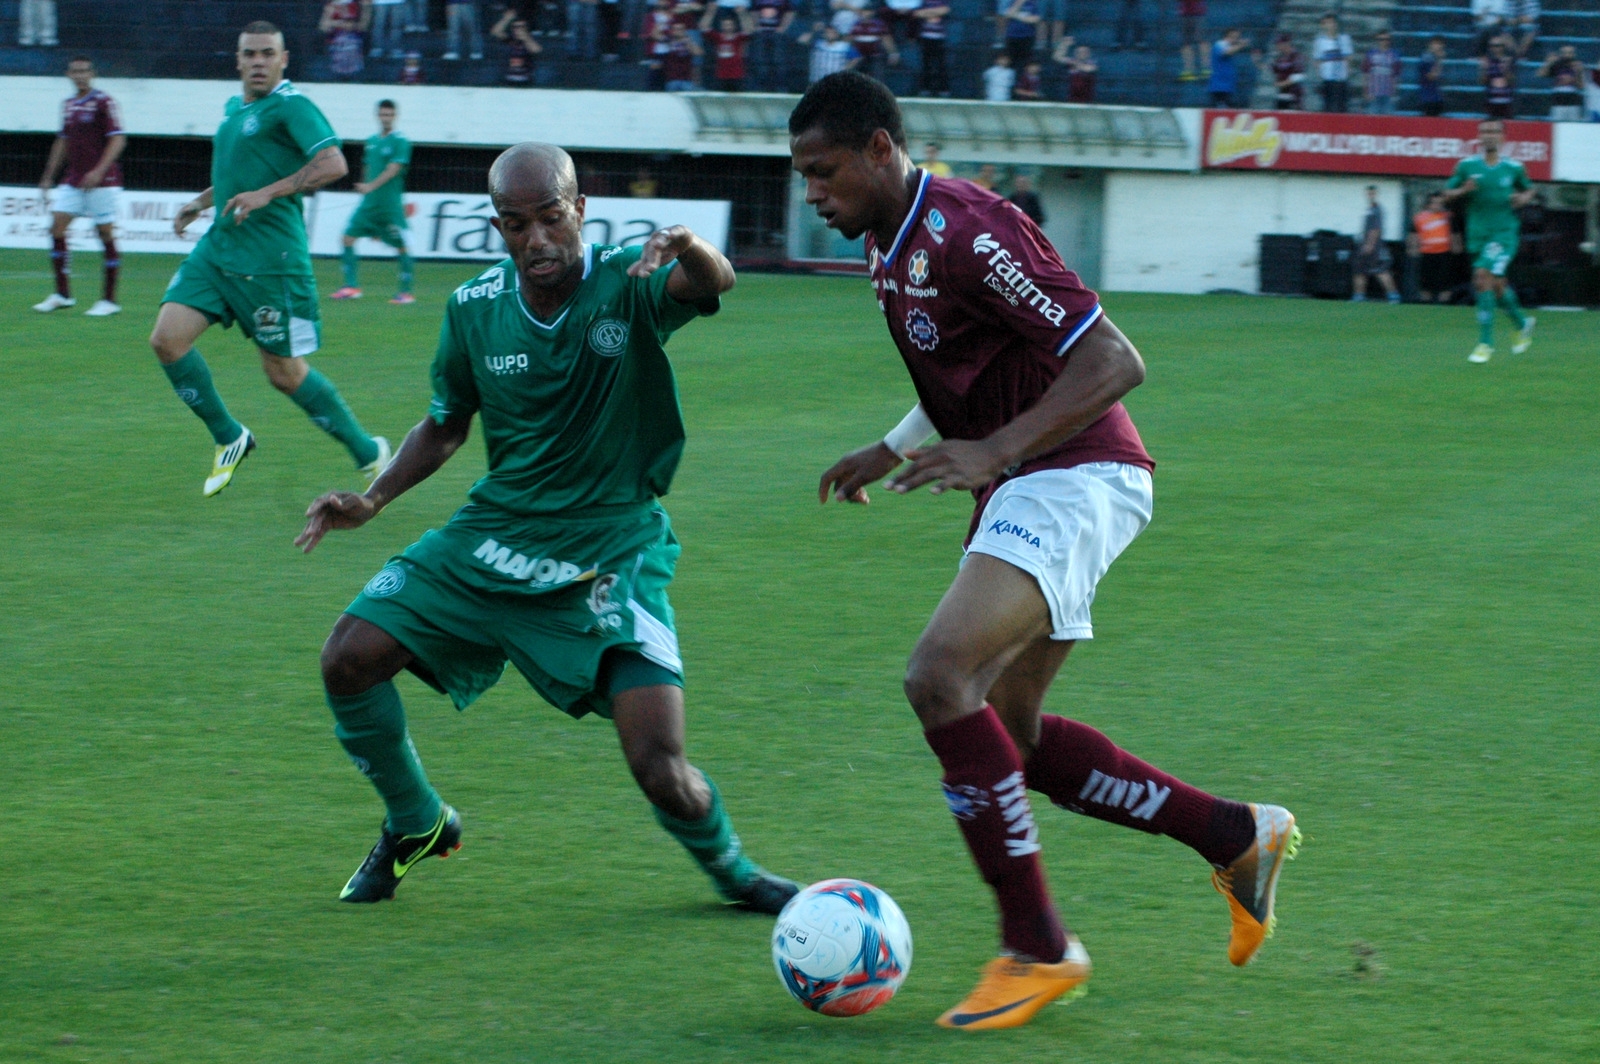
(1250, 883)
(1012, 990)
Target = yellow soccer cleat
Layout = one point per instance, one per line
(1524, 336)
(1250, 883)
(1012, 990)
(1481, 353)
(227, 460)
(374, 469)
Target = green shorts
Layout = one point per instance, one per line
(379, 223)
(552, 596)
(277, 311)
(1494, 251)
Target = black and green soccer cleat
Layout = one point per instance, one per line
(394, 856)
(762, 893)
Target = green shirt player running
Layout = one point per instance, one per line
(381, 215)
(253, 265)
(1494, 188)
(560, 561)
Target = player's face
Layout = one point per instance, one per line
(82, 75)
(844, 185)
(1490, 135)
(544, 233)
(262, 60)
(386, 119)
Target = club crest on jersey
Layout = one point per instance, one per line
(390, 578)
(933, 222)
(251, 126)
(1016, 287)
(609, 337)
(921, 330)
(917, 268)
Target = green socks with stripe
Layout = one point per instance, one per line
(713, 843)
(1486, 317)
(371, 727)
(191, 379)
(350, 263)
(407, 270)
(327, 410)
(1508, 301)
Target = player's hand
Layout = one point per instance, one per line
(186, 214)
(663, 247)
(362, 187)
(91, 180)
(243, 204)
(949, 465)
(336, 509)
(1469, 185)
(847, 479)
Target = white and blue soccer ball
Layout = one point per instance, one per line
(842, 947)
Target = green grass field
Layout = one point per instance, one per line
(1368, 594)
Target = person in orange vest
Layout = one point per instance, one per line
(1434, 242)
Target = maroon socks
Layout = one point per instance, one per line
(61, 262)
(986, 790)
(113, 262)
(1080, 769)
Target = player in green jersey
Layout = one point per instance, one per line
(561, 558)
(1494, 188)
(381, 215)
(253, 265)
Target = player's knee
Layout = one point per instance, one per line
(286, 374)
(345, 670)
(935, 685)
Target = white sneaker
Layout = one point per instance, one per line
(1524, 336)
(227, 460)
(54, 301)
(374, 469)
(103, 308)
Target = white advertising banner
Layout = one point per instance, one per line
(144, 222)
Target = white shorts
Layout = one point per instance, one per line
(99, 204)
(1065, 527)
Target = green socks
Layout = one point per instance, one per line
(1486, 318)
(349, 261)
(191, 379)
(327, 410)
(372, 728)
(712, 842)
(1508, 300)
(406, 270)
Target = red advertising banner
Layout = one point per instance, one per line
(1360, 144)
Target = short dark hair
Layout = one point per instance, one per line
(80, 59)
(849, 107)
(261, 25)
(387, 103)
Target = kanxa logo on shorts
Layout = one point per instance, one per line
(609, 336)
(1002, 527)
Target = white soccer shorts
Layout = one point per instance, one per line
(1065, 527)
(99, 204)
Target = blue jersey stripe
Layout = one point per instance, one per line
(1083, 326)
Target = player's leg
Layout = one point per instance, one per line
(395, 237)
(60, 261)
(647, 708)
(1506, 296)
(178, 326)
(1484, 296)
(112, 266)
(322, 403)
(1360, 282)
(350, 263)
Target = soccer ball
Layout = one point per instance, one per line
(842, 947)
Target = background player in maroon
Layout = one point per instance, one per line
(1018, 369)
(89, 144)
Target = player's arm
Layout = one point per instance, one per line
(703, 272)
(847, 479)
(390, 172)
(191, 210)
(108, 158)
(52, 165)
(325, 167)
(1103, 367)
(1459, 186)
(427, 448)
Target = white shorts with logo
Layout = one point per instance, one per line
(99, 204)
(1065, 527)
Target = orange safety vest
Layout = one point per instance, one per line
(1433, 231)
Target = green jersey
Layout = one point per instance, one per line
(1489, 212)
(380, 152)
(578, 412)
(258, 143)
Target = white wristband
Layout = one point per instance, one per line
(913, 429)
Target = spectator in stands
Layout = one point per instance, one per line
(845, 14)
(1224, 83)
(999, 79)
(873, 43)
(1497, 73)
(1080, 67)
(1434, 244)
(519, 56)
(1430, 78)
(1380, 74)
(656, 38)
(1566, 76)
(1022, 20)
(388, 21)
(988, 177)
(644, 185)
(1030, 83)
(411, 69)
(1372, 257)
(1130, 25)
(677, 66)
(416, 16)
(1191, 32)
(1591, 93)
(1332, 51)
(769, 53)
(546, 18)
(36, 23)
(1527, 25)
(933, 27)
(463, 25)
(583, 28)
(611, 15)
(342, 24)
(830, 51)
(726, 32)
(1026, 199)
(901, 18)
(931, 161)
(1490, 18)
(1288, 69)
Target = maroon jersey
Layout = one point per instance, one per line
(88, 122)
(985, 314)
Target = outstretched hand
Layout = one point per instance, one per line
(241, 206)
(847, 479)
(664, 246)
(949, 465)
(336, 509)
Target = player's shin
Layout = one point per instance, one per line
(371, 726)
(713, 843)
(191, 379)
(1486, 317)
(61, 264)
(1080, 769)
(327, 410)
(985, 788)
(113, 264)
(351, 266)
(407, 270)
(1508, 303)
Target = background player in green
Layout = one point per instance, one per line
(381, 215)
(560, 560)
(253, 265)
(1494, 189)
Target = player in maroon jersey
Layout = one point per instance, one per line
(1021, 373)
(90, 143)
